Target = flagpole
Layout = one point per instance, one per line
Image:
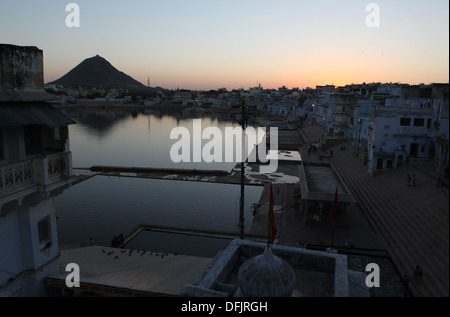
(241, 217)
(269, 233)
(271, 222)
(333, 215)
(332, 237)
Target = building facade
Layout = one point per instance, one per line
(389, 124)
(35, 166)
(398, 134)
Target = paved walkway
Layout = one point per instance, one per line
(123, 272)
(413, 222)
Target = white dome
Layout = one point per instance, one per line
(266, 275)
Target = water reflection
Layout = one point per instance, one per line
(106, 206)
(137, 138)
(100, 124)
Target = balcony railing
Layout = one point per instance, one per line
(42, 171)
(16, 175)
(58, 166)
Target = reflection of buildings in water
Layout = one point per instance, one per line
(177, 115)
(99, 122)
(153, 112)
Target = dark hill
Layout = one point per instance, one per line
(97, 72)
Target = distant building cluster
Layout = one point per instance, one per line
(389, 123)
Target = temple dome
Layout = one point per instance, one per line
(266, 275)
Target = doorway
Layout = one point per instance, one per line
(414, 150)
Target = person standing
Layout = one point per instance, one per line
(114, 242)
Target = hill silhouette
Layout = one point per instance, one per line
(97, 72)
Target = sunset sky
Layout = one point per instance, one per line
(209, 44)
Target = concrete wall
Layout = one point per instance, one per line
(21, 68)
(11, 256)
(24, 261)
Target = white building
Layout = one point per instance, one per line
(360, 134)
(335, 112)
(390, 90)
(398, 134)
(440, 94)
(35, 165)
(182, 97)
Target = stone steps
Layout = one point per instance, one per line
(399, 236)
(368, 203)
(422, 233)
(399, 221)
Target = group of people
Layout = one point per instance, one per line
(312, 147)
(411, 180)
(117, 241)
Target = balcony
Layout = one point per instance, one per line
(16, 176)
(47, 173)
(58, 167)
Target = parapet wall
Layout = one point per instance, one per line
(211, 284)
(21, 68)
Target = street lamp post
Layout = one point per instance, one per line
(359, 136)
(241, 216)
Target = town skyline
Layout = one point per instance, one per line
(258, 85)
(198, 45)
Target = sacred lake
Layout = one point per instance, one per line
(104, 206)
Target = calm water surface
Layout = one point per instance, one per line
(102, 207)
(136, 139)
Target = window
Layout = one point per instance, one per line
(56, 134)
(405, 122)
(33, 139)
(419, 122)
(44, 232)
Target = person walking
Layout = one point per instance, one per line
(408, 180)
(414, 180)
